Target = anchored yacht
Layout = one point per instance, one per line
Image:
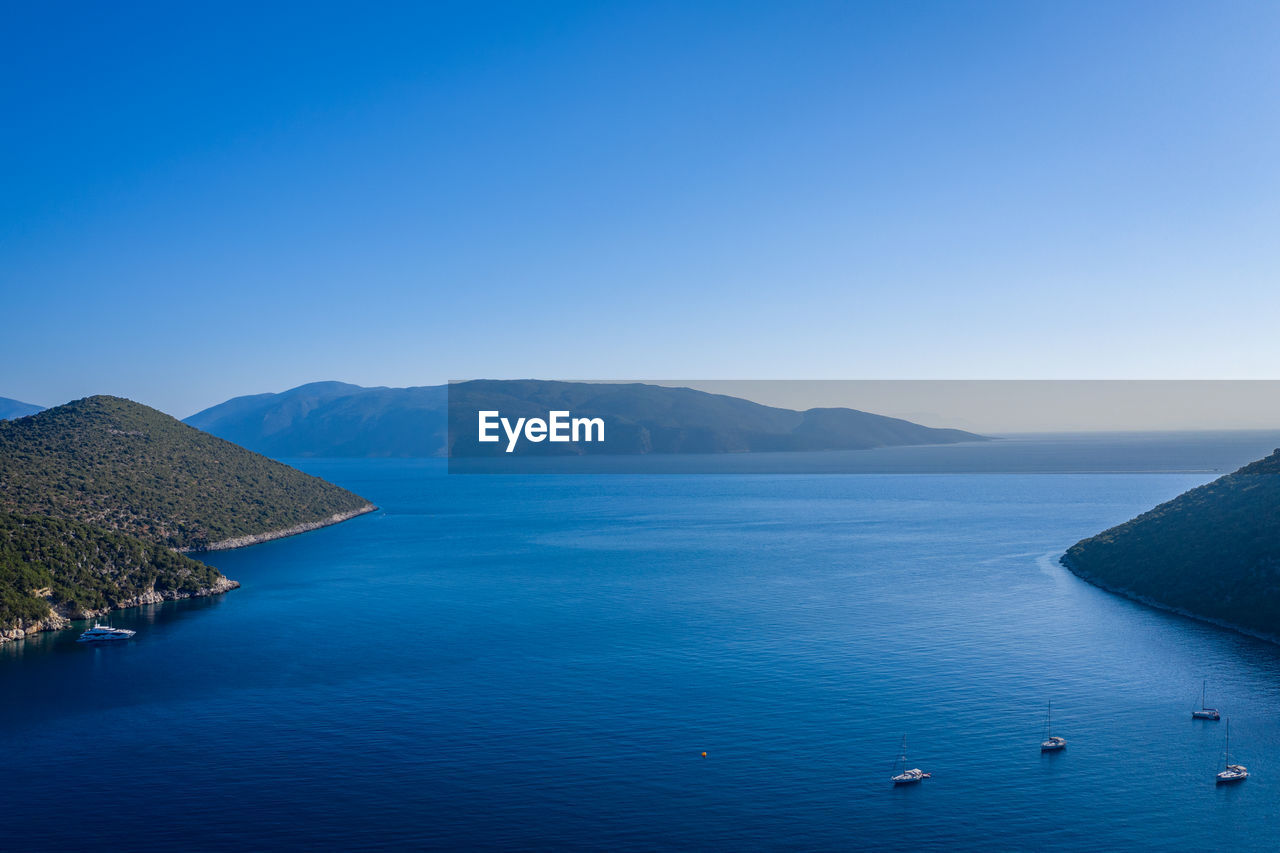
(907, 777)
(1233, 772)
(1205, 712)
(1051, 742)
(105, 633)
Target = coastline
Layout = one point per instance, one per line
(56, 621)
(258, 538)
(1167, 608)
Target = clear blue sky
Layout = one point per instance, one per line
(200, 203)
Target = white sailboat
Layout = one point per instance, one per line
(907, 777)
(1051, 743)
(1232, 772)
(1205, 712)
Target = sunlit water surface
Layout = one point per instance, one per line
(540, 662)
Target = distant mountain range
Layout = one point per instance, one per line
(1212, 552)
(337, 419)
(97, 497)
(334, 419)
(10, 409)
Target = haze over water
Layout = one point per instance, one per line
(539, 661)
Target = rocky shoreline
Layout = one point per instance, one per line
(1150, 602)
(56, 621)
(257, 538)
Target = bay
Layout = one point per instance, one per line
(496, 662)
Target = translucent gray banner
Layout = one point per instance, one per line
(859, 426)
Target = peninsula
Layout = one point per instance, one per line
(101, 498)
(1212, 553)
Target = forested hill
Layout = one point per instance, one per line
(52, 570)
(1212, 552)
(123, 466)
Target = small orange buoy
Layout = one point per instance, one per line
(704, 755)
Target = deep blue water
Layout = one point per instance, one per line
(539, 662)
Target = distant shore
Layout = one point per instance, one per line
(257, 538)
(1167, 608)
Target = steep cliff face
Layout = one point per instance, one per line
(1212, 552)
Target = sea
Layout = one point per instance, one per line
(667, 661)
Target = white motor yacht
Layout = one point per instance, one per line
(105, 633)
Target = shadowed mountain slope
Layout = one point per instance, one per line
(333, 419)
(1212, 552)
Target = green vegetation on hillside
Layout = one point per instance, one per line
(123, 466)
(1213, 552)
(77, 567)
